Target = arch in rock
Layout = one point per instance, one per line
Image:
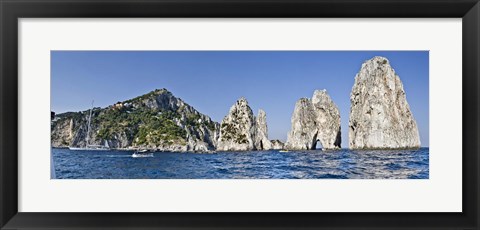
(318, 140)
(318, 145)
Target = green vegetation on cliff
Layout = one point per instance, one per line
(142, 124)
(154, 119)
(231, 132)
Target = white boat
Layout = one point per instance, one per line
(142, 153)
(89, 147)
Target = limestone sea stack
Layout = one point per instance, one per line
(240, 130)
(315, 120)
(380, 117)
(237, 128)
(261, 135)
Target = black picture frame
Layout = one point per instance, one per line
(12, 10)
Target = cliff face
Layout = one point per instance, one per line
(328, 120)
(157, 120)
(261, 134)
(237, 129)
(240, 130)
(315, 120)
(303, 132)
(63, 131)
(380, 116)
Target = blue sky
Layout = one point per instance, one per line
(211, 81)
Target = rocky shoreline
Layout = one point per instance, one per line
(380, 118)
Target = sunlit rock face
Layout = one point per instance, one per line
(328, 120)
(240, 130)
(237, 129)
(315, 120)
(303, 132)
(261, 133)
(380, 117)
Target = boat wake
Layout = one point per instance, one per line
(142, 153)
(141, 156)
(112, 156)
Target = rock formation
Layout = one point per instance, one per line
(237, 129)
(62, 132)
(277, 144)
(261, 134)
(157, 120)
(380, 117)
(315, 120)
(304, 130)
(241, 131)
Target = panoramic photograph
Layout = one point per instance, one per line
(239, 115)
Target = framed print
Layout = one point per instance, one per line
(226, 114)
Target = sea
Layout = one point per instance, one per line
(312, 164)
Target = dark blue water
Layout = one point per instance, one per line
(341, 164)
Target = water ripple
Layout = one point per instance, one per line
(341, 164)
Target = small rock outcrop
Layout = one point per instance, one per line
(277, 144)
(315, 120)
(240, 130)
(380, 117)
